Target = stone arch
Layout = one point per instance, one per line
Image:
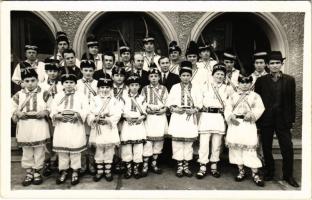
(49, 20)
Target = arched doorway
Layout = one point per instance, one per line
(244, 32)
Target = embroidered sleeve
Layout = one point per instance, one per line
(228, 108)
(14, 103)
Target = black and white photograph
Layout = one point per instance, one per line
(156, 100)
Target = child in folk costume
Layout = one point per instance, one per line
(211, 123)
(242, 110)
(133, 132)
(156, 122)
(87, 86)
(68, 112)
(183, 101)
(105, 114)
(32, 131)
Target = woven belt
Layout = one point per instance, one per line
(31, 116)
(240, 116)
(212, 110)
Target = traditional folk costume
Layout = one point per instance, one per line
(211, 124)
(69, 135)
(148, 60)
(32, 140)
(183, 127)
(255, 75)
(208, 66)
(104, 136)
(156, 125)
(174, 66)
(231, 74)
(133, 135)
(97, 58)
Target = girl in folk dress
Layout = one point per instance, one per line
(133, 132)
(105, 114)
(184, 102)
(211, 123)
(68, 112)
(32, 131)
(242, 110)
(156, 122)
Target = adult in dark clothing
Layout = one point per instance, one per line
(168, 78)
(138, 69)
(70, 61)
(108, 60)
(277, 91)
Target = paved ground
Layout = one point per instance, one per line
(165, 181)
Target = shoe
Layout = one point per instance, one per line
(37, 177)
(128, 172)
(99, 172)
(187, 172)
(75, 177)
(179, 172)
(108, 172)
(202, 172)
(214, 171)
(145, 166)
(241, 175)
(136, 171)
(257, 179)
(47, 170)
(62, 177)
(291, 181)
(28, 178)
(154, 167)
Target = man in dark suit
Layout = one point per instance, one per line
(138, 69)
(109, 60)
(277, 91)
(167, 79)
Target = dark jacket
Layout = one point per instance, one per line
(171, 80)
(288, 102)
(99, 74)
(144, 78)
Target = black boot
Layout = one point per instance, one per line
(179, 172)
(28, 178)
(37, 177)
(128, 172)
(75, 177)
(62, 177)
(108, 172)
(99, 172)
(154, 165)
(214, 170)
(258, 180)
(187, 172)
(136, 170)
(202, 172)
(47, 168)
(241, 175)
(145, 166)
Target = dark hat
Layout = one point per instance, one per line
(192, 48)
(124, 47)
(87, 64)
(134, 78)
(244, 78)
(105, 81)
(61, 36)
(185, 66)
(202, 46)
(173, 46)
(92, 41)
(229, 55)
(85, 57)
(118, 70)
(69, 76)
(153, 71)
(259, 54)
(28, 72)
(219, 67)
(51, 64)
(275, 55)
(119, 64)
(148, 39)
(31, 47)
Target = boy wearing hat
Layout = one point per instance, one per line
(156, 121)
(260, 63)
(277, 91)
(184, 102)
(242, 110)
(93, 52)
(68, 112)
(134, 113)
(211, 125)
(29, 110)
(69, 61)
(149, 54)
(174, 52)
(105, 114)
(31, 52)
(232, 74)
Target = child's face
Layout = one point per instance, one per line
(260, 65)
(70, 59)
(218, 76)
(104, 90)
(125, 56)
(174, 55)
(192, 58)
(244, 86)
(149, 46)
(119, 79)
(153, 78)
(52, 74)
(134, 87)
(87, 72)
(94, 50)
(205, 54)
(185, 77)
(229, 64)
(69, 85)
(62, 45)
(31, 83)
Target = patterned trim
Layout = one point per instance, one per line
(211, 131)
(132, 142)
(160, 138)
(34, 144)
(241, 146)
(105, 145)
(189, 100)
(180, 139)
(69, 150)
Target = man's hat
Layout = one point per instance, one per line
(229, 55)
(192, 48)
(69, 75)
(148, 37)
(105, 81)
(92, 41)
(219, 67)
(153, 71)
(51, 64)
(87, 64)
(118, 70)
(28, 72)
(185, 66)
(134, 78)
(259, 54)
(124, 47)
(173, 46)
(61, 36)
(31, 47)
(275, 55)
(244, 78)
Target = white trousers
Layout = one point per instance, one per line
(104, 154)
(244, 157)
(72, 160)
(152, 147)
(33, 157)
(132, 152)
(204, 147)
(182, 150)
